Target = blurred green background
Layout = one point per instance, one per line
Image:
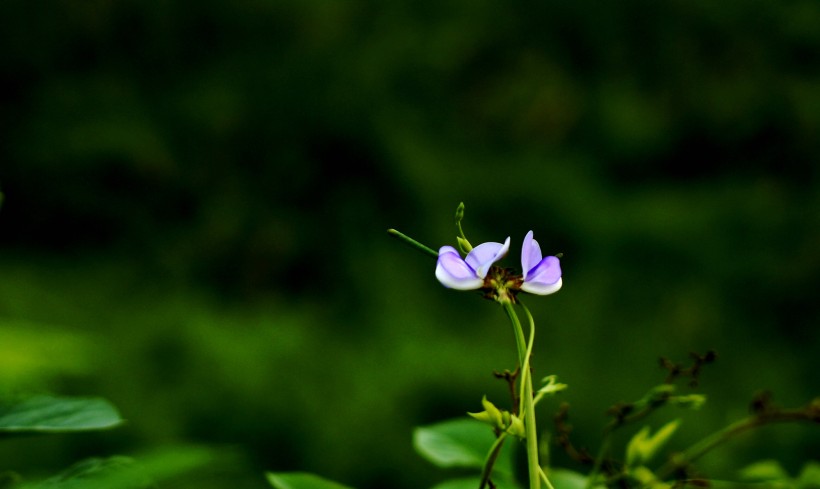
(196, 199)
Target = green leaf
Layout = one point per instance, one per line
(567, 479)
(809, 476)
(127, 473)
(551, 385)
(301, 480)
(47, 414)
(460, 443)
(642, 447)
(764, 470)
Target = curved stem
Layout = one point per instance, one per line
(489, 462)
(526, 399)
(719, 437)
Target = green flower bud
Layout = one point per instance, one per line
(459, 212)
(491, 415)
(516, 427)
(464, 245)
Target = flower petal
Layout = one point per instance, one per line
(544, 278)
(455, 273)
(484, 255)
(541, 289)
(530, 254)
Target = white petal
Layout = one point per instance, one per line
(541, 289)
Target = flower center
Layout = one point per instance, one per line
(502, 284)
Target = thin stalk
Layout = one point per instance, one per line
(412, 242)
(526, 400)
(545, 479)
(596, 468)
(489, 462)
(722, 436)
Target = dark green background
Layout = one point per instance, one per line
(196, 199)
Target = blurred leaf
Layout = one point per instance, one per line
(567, 479)
(764, 470)
(300, 480)
(120, 472)
(31, 352)
(809, 476)
(642, 447)
(647, 479)
(551, 385)
(44, 414)
(460, 443)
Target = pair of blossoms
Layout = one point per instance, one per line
(541, 275)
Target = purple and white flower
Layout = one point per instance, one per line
(468, 273)
(542, 276)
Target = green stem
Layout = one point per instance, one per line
(599, 460)
(545, 479)
(489, 462)
(412, 242)
(527, 407)
(719, 437)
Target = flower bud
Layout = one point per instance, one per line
(464, 245)
(516, 427)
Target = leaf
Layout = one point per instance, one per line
(460, 443)
(567, 479)
(120, 472)
(764, 470)
(642, 447)
(301, 480)
(551, 385)
(47, 414)
(809, 476)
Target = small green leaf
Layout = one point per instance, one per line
(690, 401)
(47, 414)
(642, 447)
(301, 480)
(458, 443)
(551, 385)
(634, 449)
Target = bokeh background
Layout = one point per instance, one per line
(197, 194)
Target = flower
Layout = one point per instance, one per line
(468, 273)
(542, 276)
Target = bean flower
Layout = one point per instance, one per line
(468, 273)
(541, 275)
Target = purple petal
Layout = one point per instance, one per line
(544, 278)
(482, 257)
(530, 254)
(455, 273)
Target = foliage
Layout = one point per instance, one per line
(194, 196)
(47, 414)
